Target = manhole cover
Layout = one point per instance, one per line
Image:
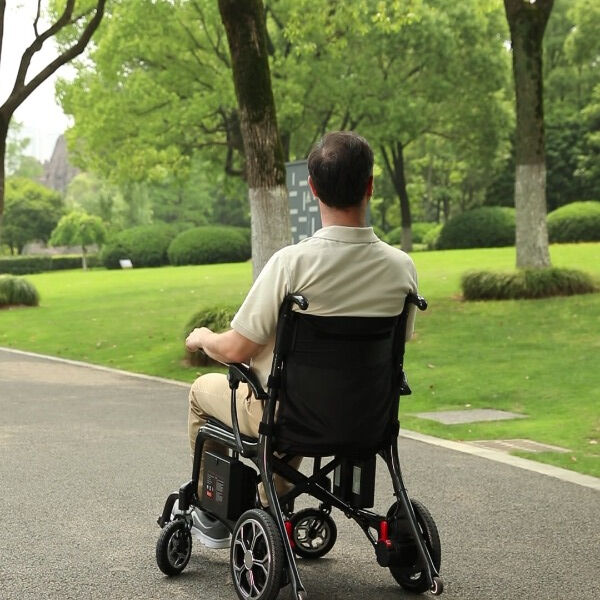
(524, 445)
(455, 417)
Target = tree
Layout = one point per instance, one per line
(31, 213)
(81, 25)
(79, 229)
(244, 22)
(527, 22)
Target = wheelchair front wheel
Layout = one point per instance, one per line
(314, 533)
(410, 576)
(257, 559)
(174, 547)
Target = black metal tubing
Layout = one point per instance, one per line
(393, 462)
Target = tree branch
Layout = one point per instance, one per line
(2, 9)
(21, 90)
(37, 18)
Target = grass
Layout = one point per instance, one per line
(536, 357)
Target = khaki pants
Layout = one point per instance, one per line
(210, 396)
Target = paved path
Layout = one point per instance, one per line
(87, 458)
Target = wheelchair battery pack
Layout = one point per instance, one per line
(354, 482)
(228, 486)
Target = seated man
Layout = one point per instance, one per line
(344, 269)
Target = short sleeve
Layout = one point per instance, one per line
(412, 309)
(257, 317)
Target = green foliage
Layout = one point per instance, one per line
(78, 228)
(431, 238)
(21, 265)
(576, 222)
(378, 232)
(526, 283)
(144, 245)
(419, 231)
(17, 291)
(210, 244)
(487, 227)
(31, 212)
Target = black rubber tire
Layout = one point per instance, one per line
(411, 577)
(256, 532)
(174, 547)
(324, 542)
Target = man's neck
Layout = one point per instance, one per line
(355, 216)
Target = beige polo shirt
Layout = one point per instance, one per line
(342, 271)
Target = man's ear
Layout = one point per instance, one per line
(313, 189)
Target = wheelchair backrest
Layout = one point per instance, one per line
(340, 382)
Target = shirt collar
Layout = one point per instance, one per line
(349, 235)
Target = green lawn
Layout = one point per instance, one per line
(536, 357)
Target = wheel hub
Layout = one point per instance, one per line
(248, 559)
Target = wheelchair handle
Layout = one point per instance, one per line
(417, 300)
(298, 299)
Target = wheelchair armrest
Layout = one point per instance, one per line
(242, 372)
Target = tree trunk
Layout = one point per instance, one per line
(244, 23)
(527, 22)
(3, 135)
(83, 258)
(395, 168)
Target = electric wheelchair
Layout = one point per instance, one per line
(335, 384)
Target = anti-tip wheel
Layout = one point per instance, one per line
(174, 547)
(438, 586)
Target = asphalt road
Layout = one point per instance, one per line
(88, 457)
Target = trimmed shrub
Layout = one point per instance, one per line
(420, 229)
(144, 245)
(210, 244)
(18, 291)
(22, 265)
(216, 318)
(431, 238)
(394, 236)
(486, 227)
(526, 283)
(576, 222)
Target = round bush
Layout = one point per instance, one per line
(487, 227)
(210, 244)
(431, 238)
(16, 291)
(144, 245)
(216, 318)
(526, 283)
(394, 236)
(575, 222)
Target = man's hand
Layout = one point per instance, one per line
(195, 341)
(228, 347)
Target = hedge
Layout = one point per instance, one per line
(210, 244)
(432, 237)
(144, 245)
(419, 231)
(575, 222)
(22, 265)
(15, 291)
(487, 227)
(526, 283)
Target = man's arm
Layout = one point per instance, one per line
(227, 347)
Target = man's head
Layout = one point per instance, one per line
(341, 169)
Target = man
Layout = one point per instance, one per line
(343, 270)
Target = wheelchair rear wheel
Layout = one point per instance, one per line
(409, 575)
(314, 533)
(257, 559)
(174, 547)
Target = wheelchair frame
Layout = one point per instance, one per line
(260, 452)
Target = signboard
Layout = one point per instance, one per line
(305, 218)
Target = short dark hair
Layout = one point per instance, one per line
(340, 165)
